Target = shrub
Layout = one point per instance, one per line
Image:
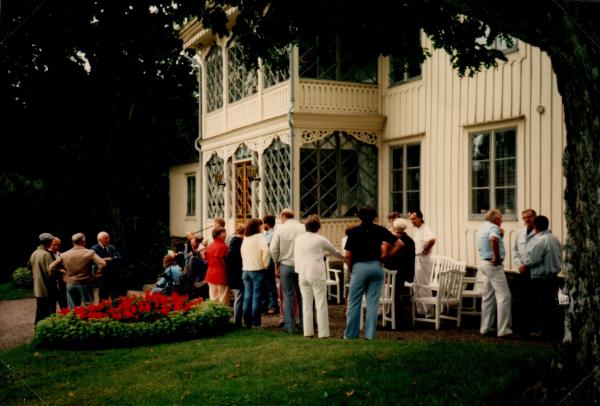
(23, 277)
(131, 322)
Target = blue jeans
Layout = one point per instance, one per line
(253, 282)
(367, 278)
(78, 294)
(289, 284)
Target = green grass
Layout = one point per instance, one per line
(264, 367)
(8, 291)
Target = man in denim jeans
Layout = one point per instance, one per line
(282, 253)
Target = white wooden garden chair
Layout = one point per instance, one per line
(472, 293)
(333, 283)
(449, 294)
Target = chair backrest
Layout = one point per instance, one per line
(478, 285)
(389, 284)
(451, 285)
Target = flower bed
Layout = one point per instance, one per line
(132, 321)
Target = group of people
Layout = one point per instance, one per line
(249, 263)
(73, 277)
(537, 253)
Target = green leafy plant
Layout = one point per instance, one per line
(22, 277)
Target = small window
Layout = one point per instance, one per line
(403, 70)
(493, 171)
(405, 188)
(191, 195)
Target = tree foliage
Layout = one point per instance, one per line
(97, 102)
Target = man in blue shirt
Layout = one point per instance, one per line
(496, 294)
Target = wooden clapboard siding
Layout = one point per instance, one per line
(442, 109)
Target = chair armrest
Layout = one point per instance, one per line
(469, 279)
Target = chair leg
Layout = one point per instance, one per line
(458, 314)
(393, 316)
(437, 316)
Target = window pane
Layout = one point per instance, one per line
(480, 174)
(505, 144)
(506, 172)
(412, 201)
(214, 79)
(413, 155)
(505, 200)
(397, 158)
(481, 201)
(397, 202)
(412, 179)
(397, 181)
(480, 146)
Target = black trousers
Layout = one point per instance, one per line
(45, 306)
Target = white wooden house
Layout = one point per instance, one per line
(330, 134)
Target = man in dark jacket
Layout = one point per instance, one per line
(108, 285)
(44, 287)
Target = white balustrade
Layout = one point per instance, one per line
(331, 96)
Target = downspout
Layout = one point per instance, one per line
(197, 142)
(291, 125)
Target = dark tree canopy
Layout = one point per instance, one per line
(567, 30)
(97, 103)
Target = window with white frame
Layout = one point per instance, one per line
(191, 195)
(214, 79)
(493, 155)
(405, 167)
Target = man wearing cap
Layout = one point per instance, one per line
(44, 288)
(78, 276)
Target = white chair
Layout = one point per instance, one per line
(449, 294)
(386, 301)
(333, 282)
(474, 292)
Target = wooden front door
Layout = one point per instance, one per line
(243, 192)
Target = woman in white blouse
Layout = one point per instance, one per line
(309, 252)
(255, 260)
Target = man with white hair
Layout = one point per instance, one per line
(108, 284)
(496, 294)
(78, 262)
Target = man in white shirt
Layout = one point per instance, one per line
(496, 294)
(282, 253)
(424, 242)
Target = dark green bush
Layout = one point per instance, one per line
(70, 332)
(22, 277)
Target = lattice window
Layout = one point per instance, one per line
(214, 79)
(338, 175)
(274, 74)
(241, 82)
(328, 57)
(216, 198)
(276, 184)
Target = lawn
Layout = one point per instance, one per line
(8, 291)
(267, 367)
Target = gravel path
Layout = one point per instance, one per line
(16, 322)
